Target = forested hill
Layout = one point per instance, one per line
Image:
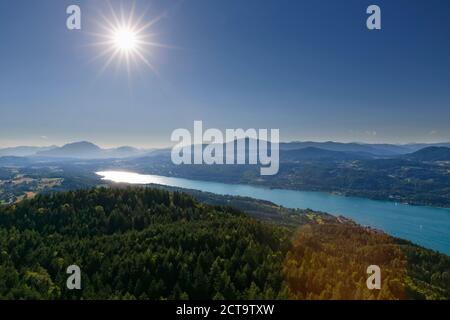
(430, 154)
(137, 244)
(143, 243)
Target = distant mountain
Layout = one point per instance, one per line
(317, 154)
(418, 146)
(22, 151)
(82, 149)
(286, 153)
(317, 150)
(378, 149)
(385, 149)
(430, 154)
(88, 150)
(122, 152)
(374, 149)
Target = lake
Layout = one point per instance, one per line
(426, 226)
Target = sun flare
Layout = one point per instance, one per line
(126, 39)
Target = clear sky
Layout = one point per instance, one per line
(310, 68)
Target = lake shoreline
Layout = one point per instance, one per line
(426, 226)
(346, 194)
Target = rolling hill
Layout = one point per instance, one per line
(430, 154)
(88, 150)
(23, 151)
(318, 154)
(145, 243)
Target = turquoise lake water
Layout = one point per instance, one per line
(426, 226)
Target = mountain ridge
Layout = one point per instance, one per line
(430, 154)
(89, 150)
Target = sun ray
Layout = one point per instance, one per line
(152, 67)
(151, 23)
(114, 15)
(109, 61)
(126, 38)
(131, 15)
(159, 45)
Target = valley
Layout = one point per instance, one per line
(417, 178)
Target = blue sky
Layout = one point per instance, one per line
(309, 68)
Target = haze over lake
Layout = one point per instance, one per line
(426, 226)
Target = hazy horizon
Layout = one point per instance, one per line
(107, 146)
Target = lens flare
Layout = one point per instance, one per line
(126, 39)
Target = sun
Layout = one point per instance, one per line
(126, 39)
